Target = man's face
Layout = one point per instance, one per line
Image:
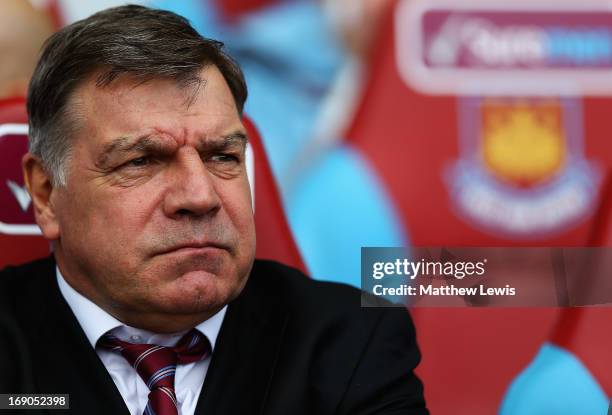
(156, 217)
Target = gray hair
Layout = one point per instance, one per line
(142, 42)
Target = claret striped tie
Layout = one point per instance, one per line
(156, 366)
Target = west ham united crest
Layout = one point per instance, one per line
(522, 169)
(519, 72)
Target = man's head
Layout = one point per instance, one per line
(136, 166)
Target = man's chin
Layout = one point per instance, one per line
(199, 291)
(191, 282)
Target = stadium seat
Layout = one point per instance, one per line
(274, 239)
(419, 144)
(20, 239)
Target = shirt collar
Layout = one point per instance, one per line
(96, 322)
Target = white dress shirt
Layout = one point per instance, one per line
(95, 322)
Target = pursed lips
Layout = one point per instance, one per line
(195, 247)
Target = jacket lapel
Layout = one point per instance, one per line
(244, 358)
(65, 361)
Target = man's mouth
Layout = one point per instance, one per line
(201, 248)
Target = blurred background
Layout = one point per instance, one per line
(406, 123)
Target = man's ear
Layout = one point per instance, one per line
(41, 188)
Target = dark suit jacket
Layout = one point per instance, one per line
(288, 345)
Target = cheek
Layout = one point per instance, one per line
(117, 216)
(237, 203)
(108, 221)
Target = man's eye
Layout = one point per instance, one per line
(138, 162)
(224, 158)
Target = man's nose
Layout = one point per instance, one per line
(192, 190)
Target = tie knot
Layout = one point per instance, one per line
(156, 364)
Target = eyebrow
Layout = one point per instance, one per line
(236, 138)
(125, 144)
(149, 142)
